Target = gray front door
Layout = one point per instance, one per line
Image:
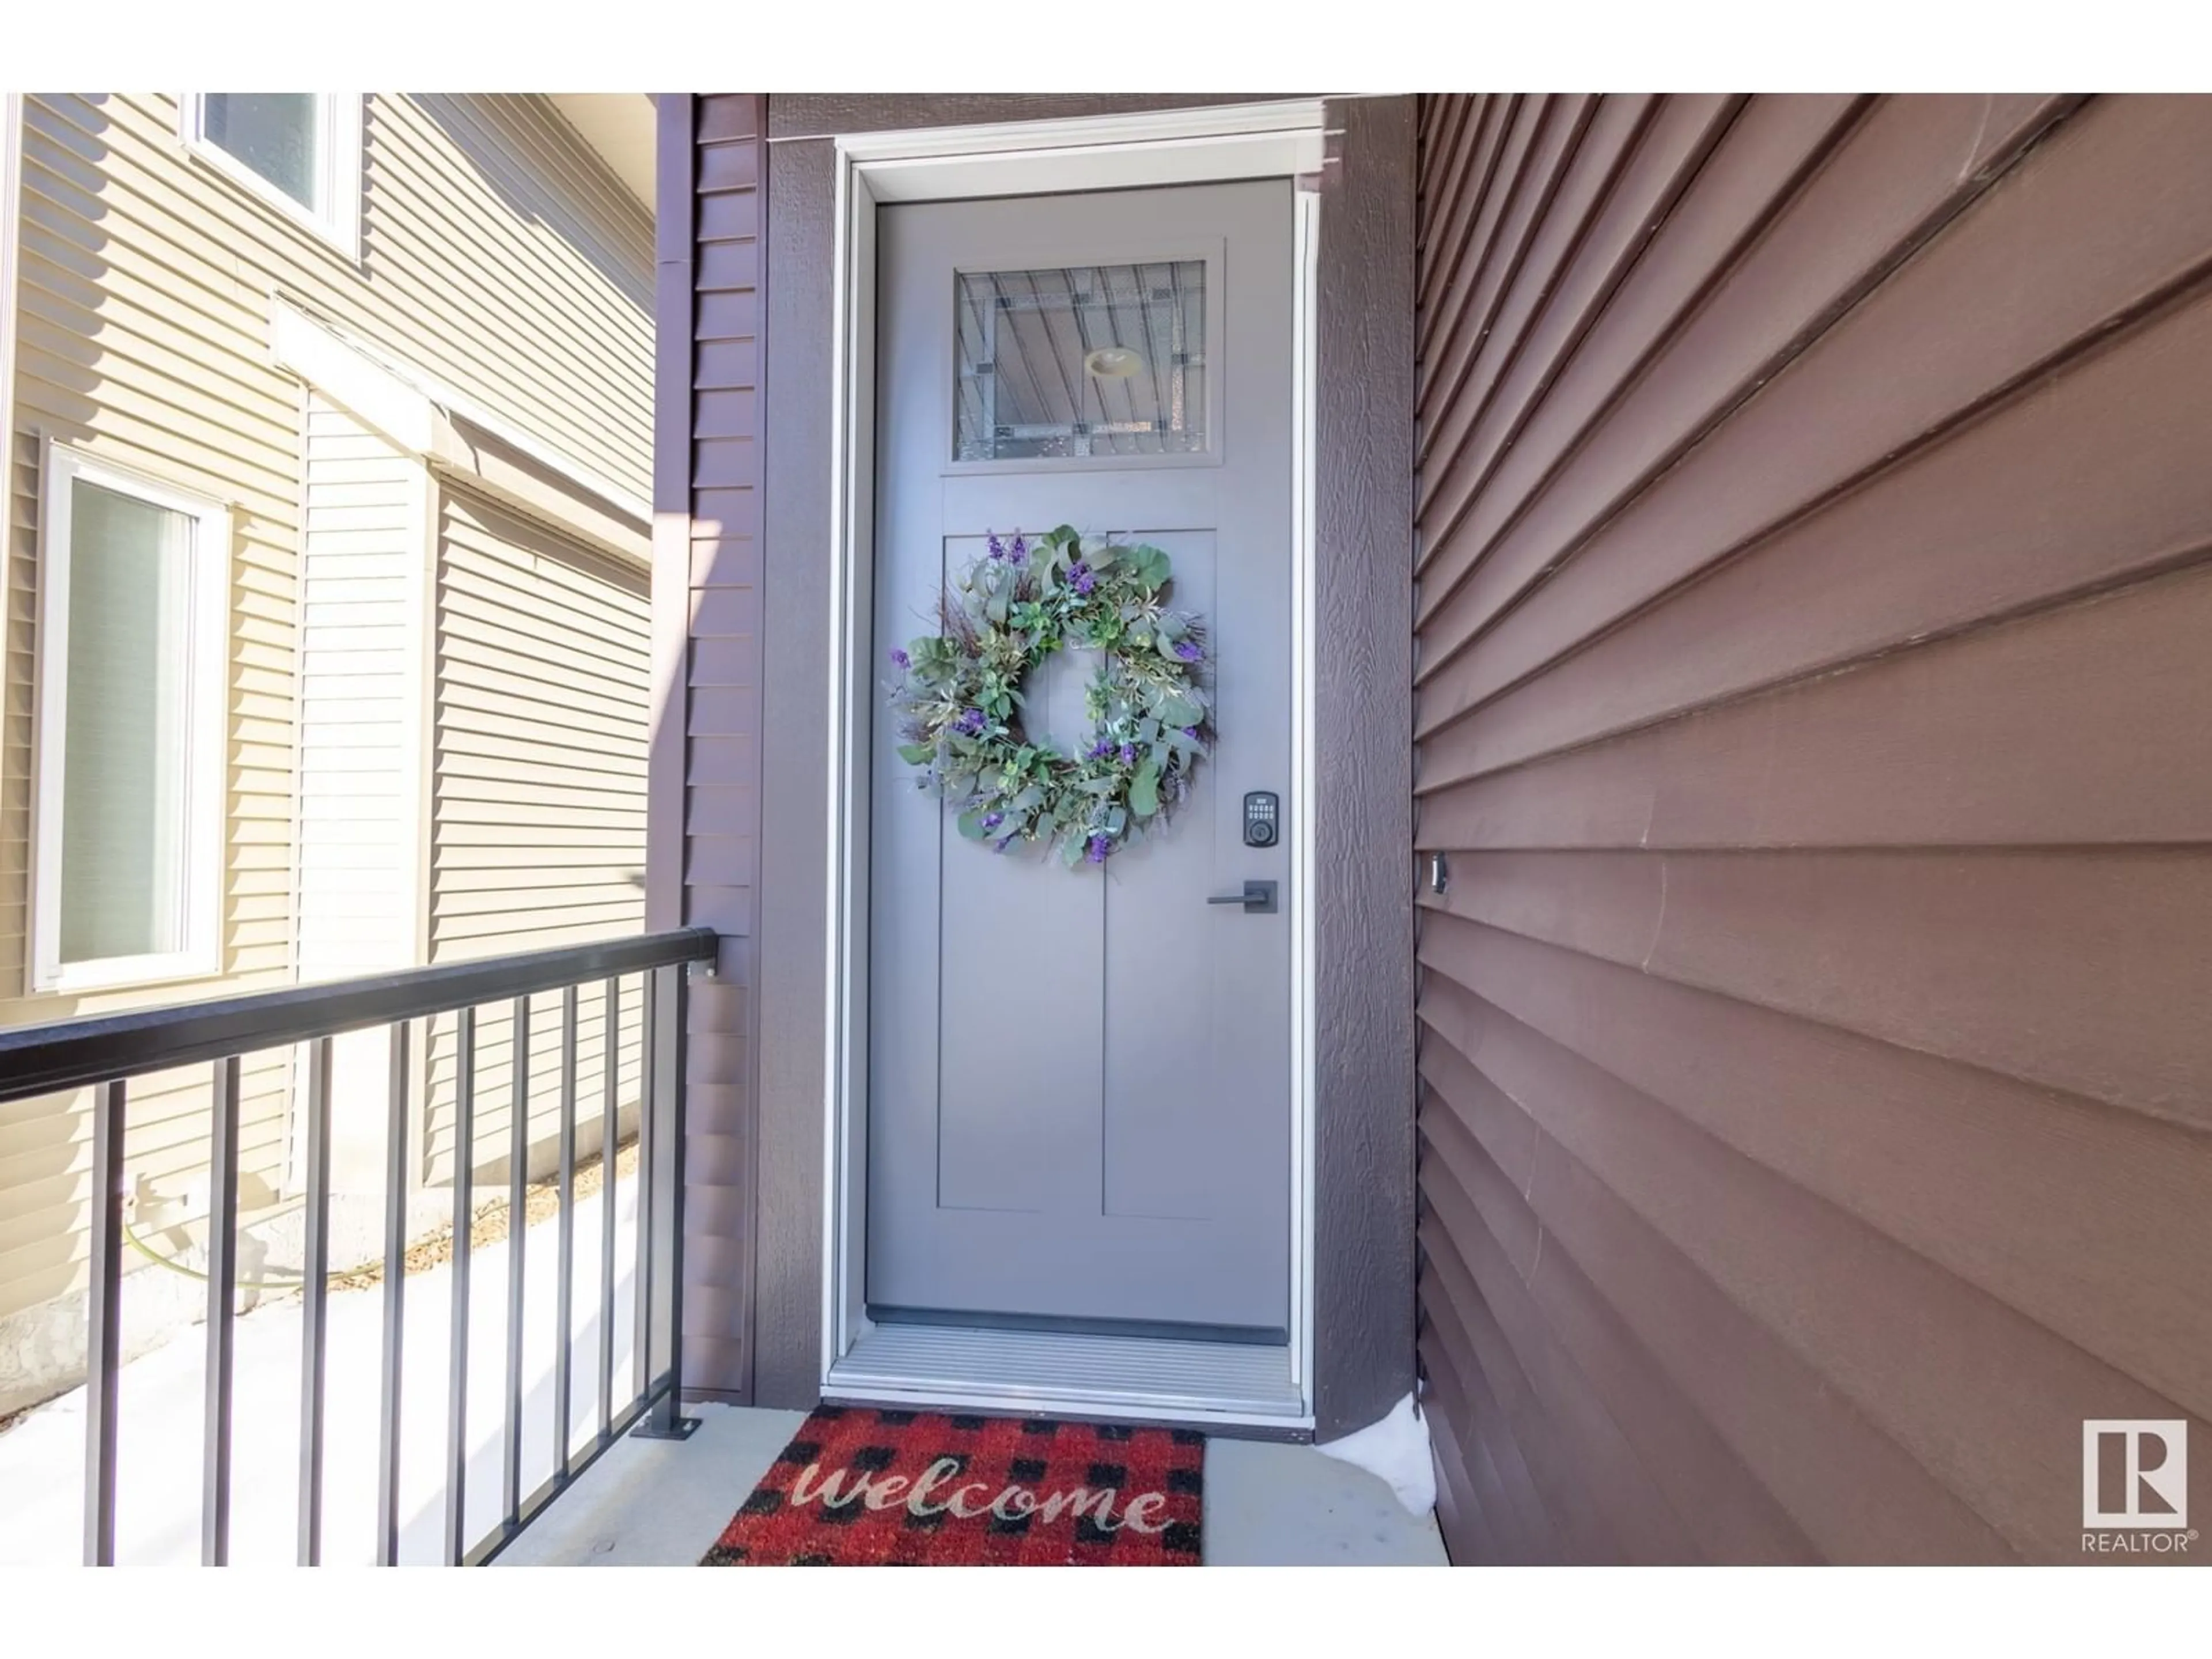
(1079, 1083)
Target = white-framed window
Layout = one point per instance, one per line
(299, 151)
(129, 767)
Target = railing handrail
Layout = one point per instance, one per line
(71, 1054)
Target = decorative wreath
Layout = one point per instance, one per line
(960, 695)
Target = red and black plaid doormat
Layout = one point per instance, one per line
(859, 1487)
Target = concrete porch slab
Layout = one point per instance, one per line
(650, 1502)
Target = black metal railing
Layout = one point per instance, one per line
(106, 1052)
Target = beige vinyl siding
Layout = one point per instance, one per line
(360, 707)
(153, 356)
(537, 816)
(364, 546)
(499, 256)
(515, 269)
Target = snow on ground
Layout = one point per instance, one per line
(160, 1395)
(1396, 1450)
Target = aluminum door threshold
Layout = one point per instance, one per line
(1045, 1373)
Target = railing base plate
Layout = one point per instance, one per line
(683, 1429)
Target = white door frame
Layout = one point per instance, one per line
(1206, 145)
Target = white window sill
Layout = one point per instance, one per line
(125, 973)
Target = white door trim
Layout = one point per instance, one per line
(1206, 145)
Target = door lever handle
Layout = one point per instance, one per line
(1258, 899)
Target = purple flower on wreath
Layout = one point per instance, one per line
(993, 820)
(1018, 551)
(900, 660)
(1099, 845)
(1129, 754)
(1188, 651)
(1191, 732)
(971, 723)
(1002, 843)
(1102, 747)
(998, 548)
(1081, 578)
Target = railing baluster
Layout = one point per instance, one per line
(675, 1084)
(395, 1183)
(663, 1107)
(610, 1064)
(640, 1278)
(456, 1386)
(221, 1310)
(104, 1324)
(565, 1309)
(518, 1196)
(315, 1270)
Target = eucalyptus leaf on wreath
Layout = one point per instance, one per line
(960, 705)
(1144, 790)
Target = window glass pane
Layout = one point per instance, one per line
(275, 133)
(1090, 361)
(123, 773)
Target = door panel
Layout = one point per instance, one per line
(1079, 1082)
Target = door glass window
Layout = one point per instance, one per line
(1088, 360)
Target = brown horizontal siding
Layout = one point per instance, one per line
(1810, 710)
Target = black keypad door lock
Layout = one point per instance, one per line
(1262, 814)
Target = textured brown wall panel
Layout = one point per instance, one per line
(704, 858)
(1816, 1116)
(1363, 923)
(795, 828)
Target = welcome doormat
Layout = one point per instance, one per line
(861, 1487)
